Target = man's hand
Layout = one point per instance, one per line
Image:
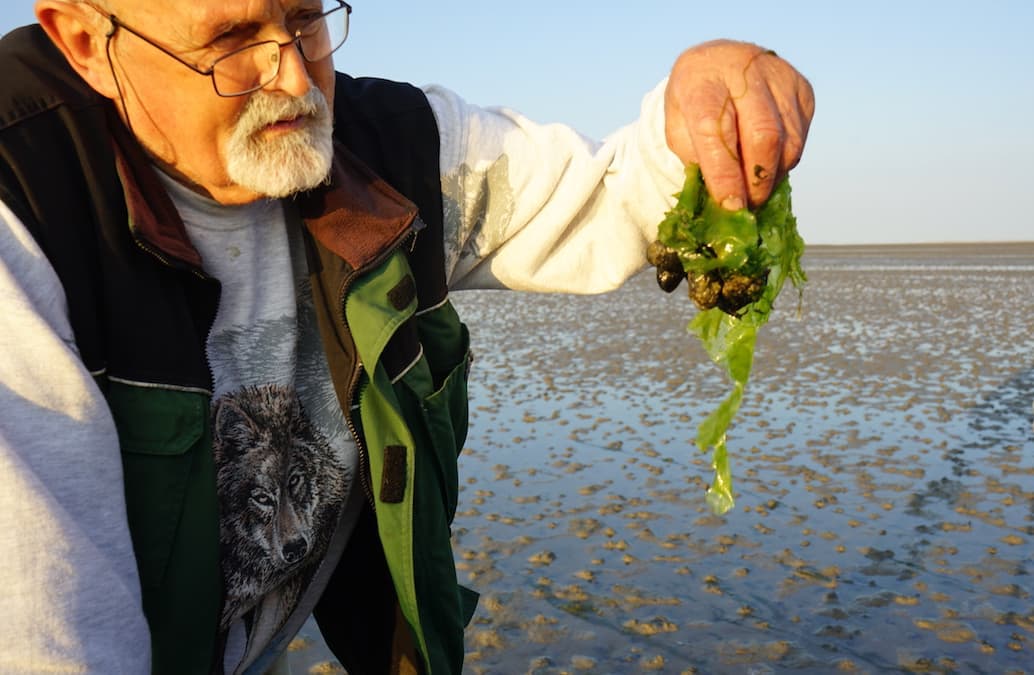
(742, 114)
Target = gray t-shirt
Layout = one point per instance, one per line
(285, 458)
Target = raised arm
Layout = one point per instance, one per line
(539, 207)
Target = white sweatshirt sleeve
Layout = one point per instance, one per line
(69, 591)
(539, 207)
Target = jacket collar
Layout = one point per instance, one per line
(357, 215)
(153, 219)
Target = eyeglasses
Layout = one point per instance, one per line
(253, 66)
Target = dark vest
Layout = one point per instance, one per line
(141, 309)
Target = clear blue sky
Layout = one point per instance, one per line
(925, 122)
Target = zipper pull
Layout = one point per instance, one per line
(417, 226)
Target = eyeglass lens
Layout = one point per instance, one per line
(257, 65)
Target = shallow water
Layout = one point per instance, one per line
(883, 462)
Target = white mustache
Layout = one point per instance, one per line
(282, 164)
(265, 108)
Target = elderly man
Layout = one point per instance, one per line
(233, 385)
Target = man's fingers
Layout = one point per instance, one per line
(805, 112)
(712, 124)
(676, 133)
(762, 140)
(796, 107)
(741, 114)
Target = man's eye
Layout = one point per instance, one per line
(233, 38)
(303, 20)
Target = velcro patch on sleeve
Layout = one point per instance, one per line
(403, 293)
(393, 478)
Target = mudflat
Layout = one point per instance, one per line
(883, 461)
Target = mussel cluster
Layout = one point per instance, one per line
(729, 291)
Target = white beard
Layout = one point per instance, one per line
(289, 162)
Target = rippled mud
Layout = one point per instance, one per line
(883, 462)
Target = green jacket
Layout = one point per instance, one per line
(141, 306)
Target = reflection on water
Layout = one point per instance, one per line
(882, 460)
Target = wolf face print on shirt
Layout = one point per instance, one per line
(280, 488)
(284, 461)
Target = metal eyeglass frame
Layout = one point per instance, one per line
(116, 23)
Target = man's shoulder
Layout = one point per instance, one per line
(358, 99)
(37, 78)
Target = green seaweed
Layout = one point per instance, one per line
(708, 237)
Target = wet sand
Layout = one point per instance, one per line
(883, 462)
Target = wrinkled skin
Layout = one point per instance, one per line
(174, 112)
(742, 114)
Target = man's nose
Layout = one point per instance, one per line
(293, 76)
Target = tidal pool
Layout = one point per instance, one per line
(883, 462)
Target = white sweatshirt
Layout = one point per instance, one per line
(527, 206)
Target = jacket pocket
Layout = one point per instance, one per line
(162, 434)
(440, 403)
(445, 414)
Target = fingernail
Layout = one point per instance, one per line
(732, 204)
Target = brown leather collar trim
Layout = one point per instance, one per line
(358, 214)
(152, 217)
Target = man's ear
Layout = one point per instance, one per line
(79, 32)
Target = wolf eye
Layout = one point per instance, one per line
(262, 498)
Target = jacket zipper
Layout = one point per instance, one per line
(411, 231)
(353, 386)
(160, 257)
